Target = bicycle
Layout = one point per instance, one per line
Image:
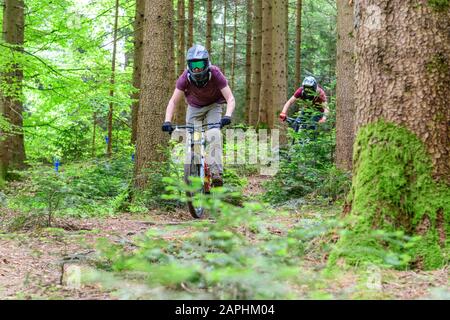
(197, 167)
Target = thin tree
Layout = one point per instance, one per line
(298, 42)
(279, 48)
(233, 62)
(12, 149)
(190, 41)
(248, 59)
(401, 173)
(113, 80)
(286, 21)
(137, 61)
(266, 111)
(209, 17)
(156, 87)
(180, 113)
(224, 45)
(255, 87)
(345, 74)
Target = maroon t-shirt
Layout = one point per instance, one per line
(209, 94)
(319, 99)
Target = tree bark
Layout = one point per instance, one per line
(113, 80)
(403, 74)
(345, 87)
(286, 21)
(224, 46)
(209, 17)
(402, 151)
(279, 53)
(266, 112)
(233, 63)
(180, 114)
(256, 63)
(137, 61)
(248, 59)
(279, 60)
(298, 42)
(156, 87)
(12, 147)
(190, 41)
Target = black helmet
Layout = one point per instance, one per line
(198, 65)
(309, 87)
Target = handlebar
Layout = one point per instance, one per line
(217, 125)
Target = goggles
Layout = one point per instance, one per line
(200, 64)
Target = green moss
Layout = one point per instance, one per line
(393, 193)
(438, 63)
(439, 5)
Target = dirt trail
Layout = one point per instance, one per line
(31, 263)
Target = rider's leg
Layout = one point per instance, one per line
(214, 144)
(194, 117)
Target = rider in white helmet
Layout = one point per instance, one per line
(312, 92)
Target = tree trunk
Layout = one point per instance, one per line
(12, 147)
(286, 21)
(156, 87)
(402, 152)
(233, 63)
(113, 80)
(190, 41)
(345, 73)
(266, 112)
(248, 59)
(209, 17)
(224, 47)
(256, 63)
(298, 42)
(94, 134)
(137, 71)
(279, 60)
(180, 114)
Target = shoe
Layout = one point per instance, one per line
(217, 180)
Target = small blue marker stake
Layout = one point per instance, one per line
(57, 163)
(106, 139)
(132, 157)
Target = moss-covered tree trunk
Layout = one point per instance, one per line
(345, 87)
(137, 62)
(156, 87)
(12, 149)
(402, 151)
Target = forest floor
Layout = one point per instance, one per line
(33, 263)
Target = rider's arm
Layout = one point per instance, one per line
(231, 103)
(288, 104)
(173, 102)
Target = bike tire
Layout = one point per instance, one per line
(193, 170)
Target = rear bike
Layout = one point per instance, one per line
(196, 166)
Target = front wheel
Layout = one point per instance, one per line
(194, 170)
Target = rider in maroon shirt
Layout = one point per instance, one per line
(309, 91)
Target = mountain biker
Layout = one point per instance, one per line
(206, 90)
(316, 110)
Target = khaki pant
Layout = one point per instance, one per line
(210, 114)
